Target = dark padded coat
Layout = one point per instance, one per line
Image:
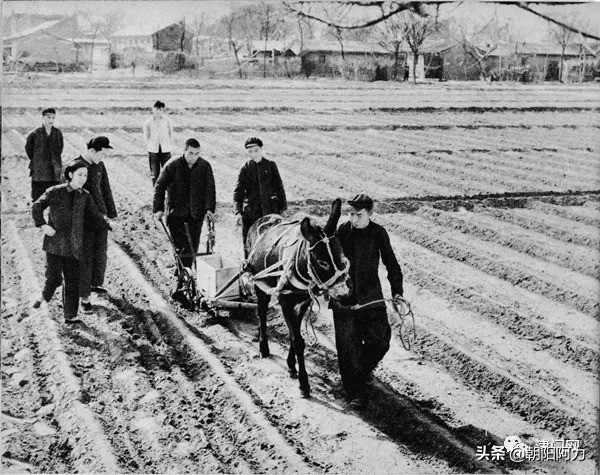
(182, 201)
(69, 209)
(253, 201)
(364, 247)
(98, 186)
(44, 152)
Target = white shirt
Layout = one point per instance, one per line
(159, 133)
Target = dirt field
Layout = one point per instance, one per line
(491, 195)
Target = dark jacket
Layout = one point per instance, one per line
(191, 191)
(259, 190)
(364, 247)
(98, 186)
(44, 152)
(68, 210)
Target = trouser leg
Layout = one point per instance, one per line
(87, 263)
(53, 275)
(39, 187)
(154, 163)
(163, 158)
(349, 351)
(178, 232)
(376, 335)
(70, 269)
(99, 258)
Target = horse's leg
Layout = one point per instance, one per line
(291, 359)
(293, 311)
(263, 339)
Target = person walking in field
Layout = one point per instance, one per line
(96, 241)
(363, 335)
(190, 184)
(44, 147)
(158, 132)
(70, 209)
(259, 190)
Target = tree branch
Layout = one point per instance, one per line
(525, 7)
(333, 24)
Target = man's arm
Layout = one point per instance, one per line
(279, 190)
(146, 131)
(111, 210)
(61, 143)
(30, 145)
(391, 264)
(239, 192)
(210, 197)
(93, 216)
(162, 183)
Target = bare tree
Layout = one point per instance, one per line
(416, 29)
(230, 24)
(390, 35)
(388, 8)
(102, 26)
(564, 37)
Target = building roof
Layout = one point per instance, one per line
(144, 29)
(277, 45)
(319, 46)
(508, 49)
(33, 30)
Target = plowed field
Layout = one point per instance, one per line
(491, 196)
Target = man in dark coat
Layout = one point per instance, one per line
(96, 241)
(71, 209)
(363, 335)
(190, 184)
(44, 147)
(259, 190)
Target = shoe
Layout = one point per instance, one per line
(99, 290)
(358, 403)
(36, 304)
(71, 321)
(87, 308)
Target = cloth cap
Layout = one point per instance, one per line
(253, 141)
(98, 143)
(361, 201)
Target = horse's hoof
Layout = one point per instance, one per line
(264, 351)
(293, 373)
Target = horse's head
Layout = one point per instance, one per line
(327, 265)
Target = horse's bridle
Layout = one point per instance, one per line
(339, 272)
(298, 280)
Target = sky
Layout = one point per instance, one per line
(529, 27)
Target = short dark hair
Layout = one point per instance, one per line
(49, 110)
(72, 167)
(192, 143)
(361, 201)
(253, 141)
(159, 104)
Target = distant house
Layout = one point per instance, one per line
(332, 58)
(52, 45)
(147, 38)
(273, 49)
(539, 60)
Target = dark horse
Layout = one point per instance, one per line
(295, 261)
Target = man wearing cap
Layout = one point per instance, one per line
(95, 242)
(191, 196)
(158, 132)
(363, 335)
(44, 147)
(259, 190)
